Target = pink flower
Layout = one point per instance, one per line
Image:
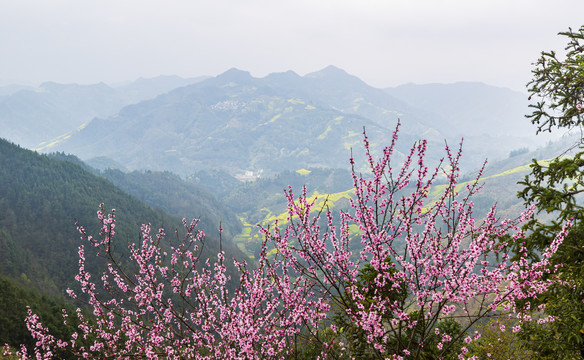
(305, 268)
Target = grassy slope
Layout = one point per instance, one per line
(498, 188)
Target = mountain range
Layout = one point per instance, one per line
(249, 126)
(182, 144)
(34, 117)
(165, 148)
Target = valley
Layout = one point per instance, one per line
(224, 150)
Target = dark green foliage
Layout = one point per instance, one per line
(565, 301)
(40, 199)
(558, 88)
(402, 337)
(61, 156)
(170, 193)
(175, 196)
(554, 188)
(354, 336)
(14, 300)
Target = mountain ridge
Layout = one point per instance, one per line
(33, 116)
(285, 120)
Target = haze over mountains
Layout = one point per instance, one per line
(165, 148)
(208, 131)
(247, 125)
(33, 117)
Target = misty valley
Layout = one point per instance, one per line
(333, 219)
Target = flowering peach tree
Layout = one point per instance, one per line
(411, 283)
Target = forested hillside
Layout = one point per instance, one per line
(14, 300)
(178, 197)
(170, 193)
(40, 200)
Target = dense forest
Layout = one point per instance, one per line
(41, 199)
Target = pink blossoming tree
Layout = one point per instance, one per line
(424, 273)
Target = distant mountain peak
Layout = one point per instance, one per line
(236, 76)
(288, 78)
(330, 70)
(284, 75)
(337, 77)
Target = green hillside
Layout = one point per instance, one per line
(263, 201)
(40, 199)
(14, 300)
(177, 197)
(171, 194)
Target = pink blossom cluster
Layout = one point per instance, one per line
(432, 260)
(173, 306)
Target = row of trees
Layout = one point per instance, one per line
(426, 278)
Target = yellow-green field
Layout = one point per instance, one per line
(47, 144)
(249, 237)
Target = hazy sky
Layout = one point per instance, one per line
(385, 43)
